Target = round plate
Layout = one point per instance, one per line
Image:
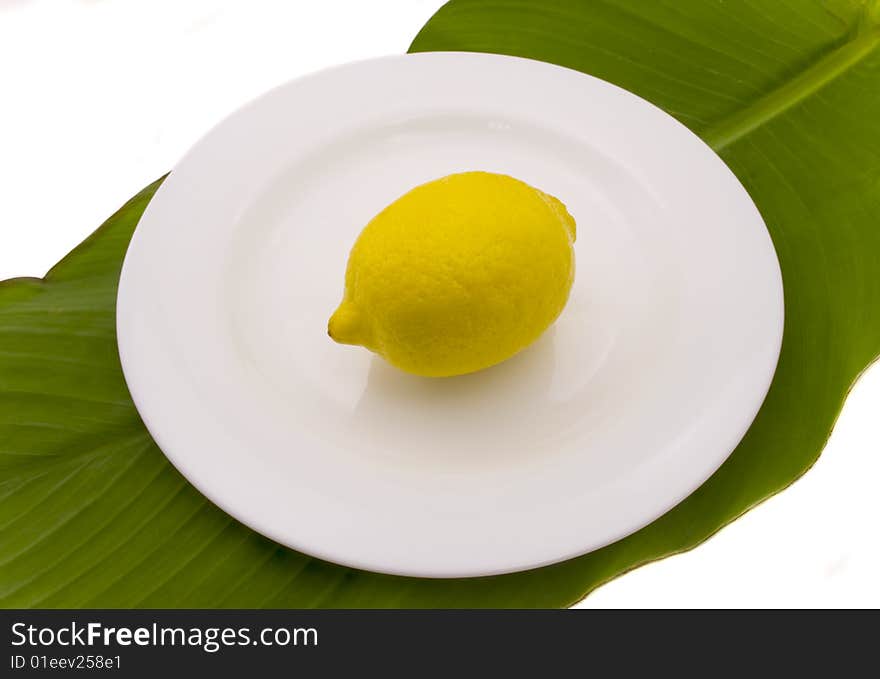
(634, 397)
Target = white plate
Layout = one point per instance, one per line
(639, 392)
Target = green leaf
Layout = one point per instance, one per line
(787, 92)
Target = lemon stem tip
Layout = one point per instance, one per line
(346, 325)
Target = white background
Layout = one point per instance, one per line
(100, 97)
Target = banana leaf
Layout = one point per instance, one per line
(788, 93)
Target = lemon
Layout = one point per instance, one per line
(457, 275)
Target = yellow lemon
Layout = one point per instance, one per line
(457, 275)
